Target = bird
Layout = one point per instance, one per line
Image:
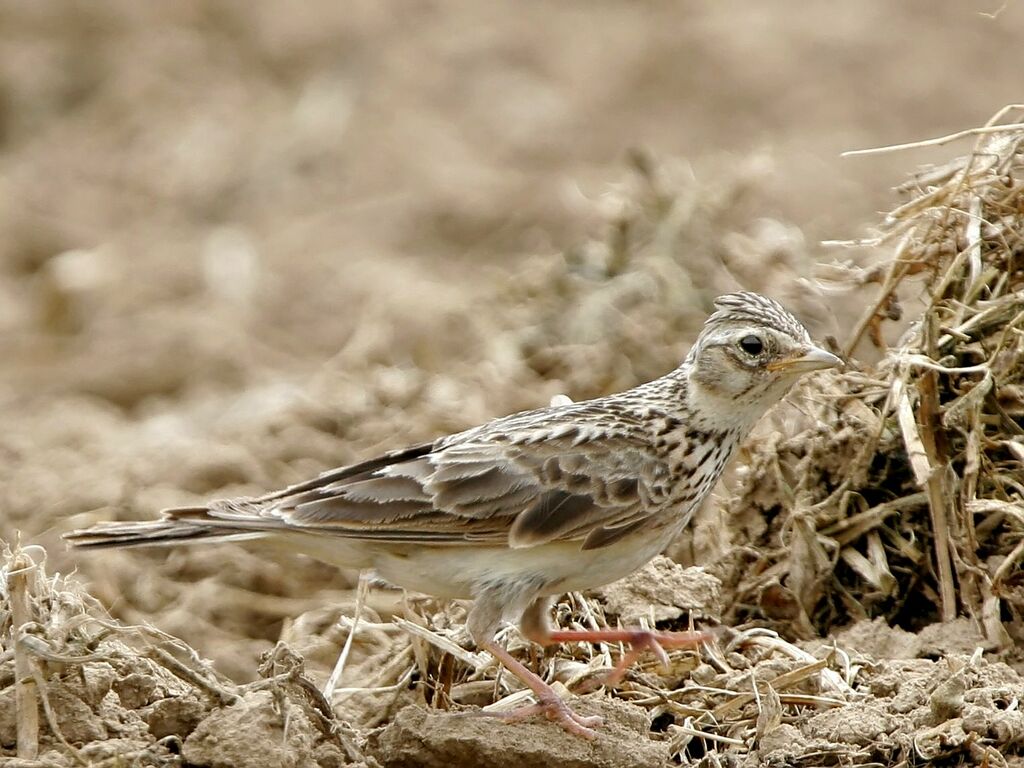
(528, 506)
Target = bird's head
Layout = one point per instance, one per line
(750, 352)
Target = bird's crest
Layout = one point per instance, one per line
(752, 307)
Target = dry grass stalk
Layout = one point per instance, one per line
(346, 649)
(989, 128)
(20, 588)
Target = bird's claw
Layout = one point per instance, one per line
(554, 709)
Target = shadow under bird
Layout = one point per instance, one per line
(532, 505)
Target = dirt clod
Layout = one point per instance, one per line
(662, 590)
(254, 732)
(420, 738)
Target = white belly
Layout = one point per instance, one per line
(458, 572)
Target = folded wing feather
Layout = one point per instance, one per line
(469, 488)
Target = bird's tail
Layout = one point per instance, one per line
(178, 526)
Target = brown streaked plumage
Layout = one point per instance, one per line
(534, 504)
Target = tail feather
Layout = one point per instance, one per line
(155, 533)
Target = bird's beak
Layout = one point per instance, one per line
(812, 359)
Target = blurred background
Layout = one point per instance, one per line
(241, 242)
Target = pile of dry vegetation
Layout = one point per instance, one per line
(903, 494)
(891, 500)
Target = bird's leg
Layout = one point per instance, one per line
(492, 603)
(549, 703)
(536, 627)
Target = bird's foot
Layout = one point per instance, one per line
(553, 708)
(549, 703)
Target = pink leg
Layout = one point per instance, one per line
(548, 701)
(638, 641)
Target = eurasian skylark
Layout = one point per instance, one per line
(534, 504)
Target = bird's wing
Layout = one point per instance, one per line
(522, 483)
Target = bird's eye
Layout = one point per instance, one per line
(752, 345)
